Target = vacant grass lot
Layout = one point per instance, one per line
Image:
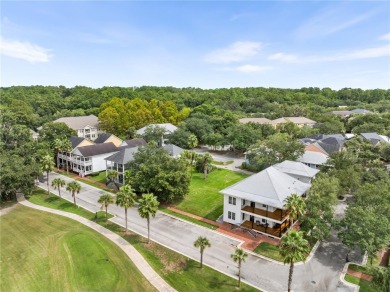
(99, 178)
(46, 252)
(204, 198)
(269, 250)
(180, 272)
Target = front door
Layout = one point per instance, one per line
(252, 218)
(253, 204)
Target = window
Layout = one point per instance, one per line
(265, 206)
(243, 202)
(232, 201)
(232, 215)
(243, 216)
(263, 221)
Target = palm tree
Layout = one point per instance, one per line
(58, 183)
(192, 141)
(112, 175)
(293, 248)
(74, 188)
(297, 206)
(148, 206)
(202, 243)
(47, 165)
(206, 161)
(126, 199)
(66, 147)
(58, 148)
(128, 176)
(239, 257)
(106, 200)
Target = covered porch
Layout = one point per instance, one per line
(278, 214)
(277, 231)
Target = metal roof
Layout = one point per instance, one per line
(169, 128)
(297, 168)
(270, 187)
(312, 157)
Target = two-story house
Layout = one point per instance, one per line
(85, 126)
(257, 202)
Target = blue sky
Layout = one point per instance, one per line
(207, 44)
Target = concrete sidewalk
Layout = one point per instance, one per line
(320, 274)
(131, 252)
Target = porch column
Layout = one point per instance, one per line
(266, 212)
(280, 230)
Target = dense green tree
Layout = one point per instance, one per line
(241, 136)
(202, 243)
(192, 141)
(239, 257)
(154, 134)
(154, 171)
(52, 131)
(276, 148)
(180, 138)
(293, 248)
(148, 206)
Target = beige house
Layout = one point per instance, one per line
(299, 121)
(107, 138)
(256, 121)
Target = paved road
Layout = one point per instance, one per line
(320, 274)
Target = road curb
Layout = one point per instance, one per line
(342, 275)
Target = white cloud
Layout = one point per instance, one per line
(329, 22)
(385, 37)
(368, 53)
(24, 50)
(238, 51)
(252, 68)
(283, 57)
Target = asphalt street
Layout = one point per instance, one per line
(321, 273)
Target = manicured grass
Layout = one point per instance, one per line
(365, 286)
(99, 178)
(40, 197)
(201, 223)
(180, 272)
(46, 252)
(204, 198)
(96, 185)
(269, 250)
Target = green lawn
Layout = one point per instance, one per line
(365, 286)
(180, 272)
(204, 198)
(46, 252)
(40, 197)
(99, 178)
(361, 269)
(269, 250)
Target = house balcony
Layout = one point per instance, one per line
(278, 215)
(277, 231)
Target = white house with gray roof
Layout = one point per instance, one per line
(85, 126)
(118, 161)
(257, 202)
(313, 159)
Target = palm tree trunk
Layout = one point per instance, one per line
(290, 273)
(205, 171)
(201, 259)
(106, 212)
(148, 219)
(74, 199)
(59, 191)
(292, 224)
(48, 186)
(126, 221)
(58, 161)
(239, 274)
(67, 166)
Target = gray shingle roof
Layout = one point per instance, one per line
(374, 138)
(124, 156)
(134, 142)
(255, 120)
(102, 138)
(173, 150)
(97, 149)
(270, 187)
(75, 141)
(297, 168)
(76, 123)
